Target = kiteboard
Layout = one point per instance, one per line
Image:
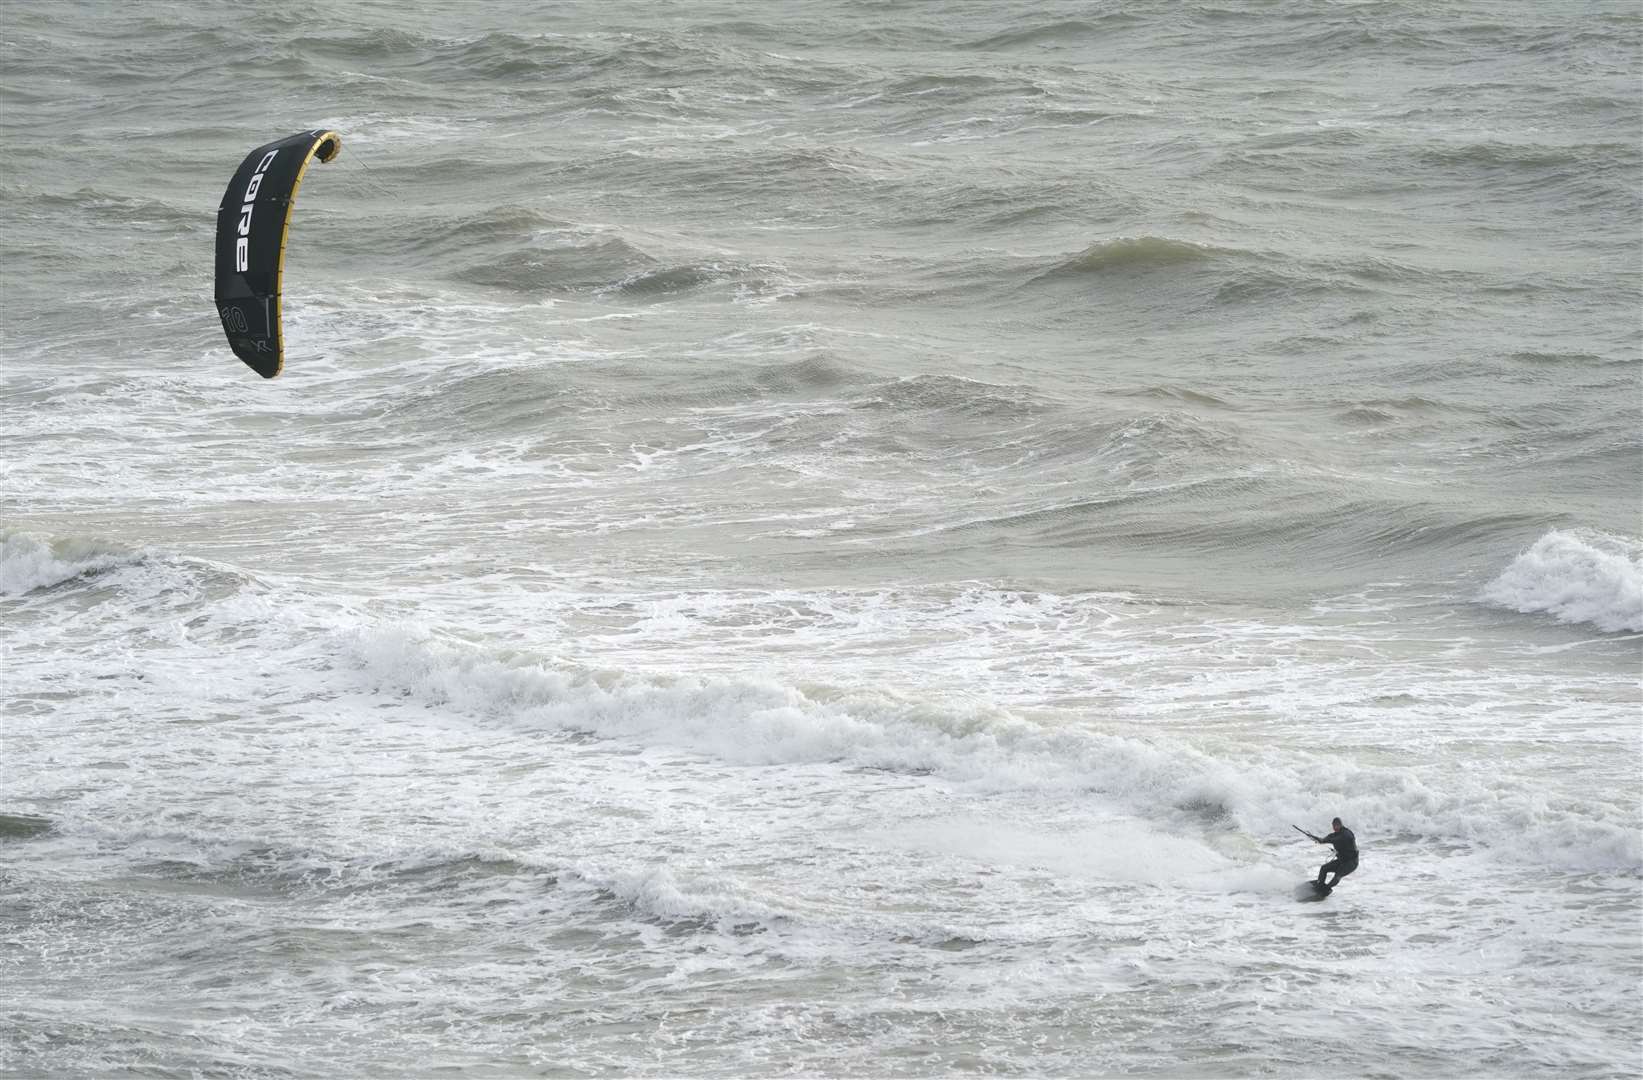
(1312, 890)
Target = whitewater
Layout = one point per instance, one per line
(826, 541)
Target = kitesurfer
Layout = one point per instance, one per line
(1346, 853)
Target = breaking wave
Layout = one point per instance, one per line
(1576, 577)
(28, 562)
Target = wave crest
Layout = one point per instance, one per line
(1133, 253)
(28, 563)
(1582, 577)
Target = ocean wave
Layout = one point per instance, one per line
(727, 905)
(543, 255)
(823, 171)
(1061, 34)
(23, 826)
(747, 281)
(1184, 395)
(1548, 357)
(28, 562)
(747, 721)
(109, 209)
(1576, 577)
(508, 56)
(947, 89)
(560, 263)
(656, 893)
(487, 402)
(816, 371)
(950, 393)
(361, 44)
(1514, 158)
(503, 224)
(1209, 276)
(1127, 253)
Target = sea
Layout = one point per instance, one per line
(826, 539)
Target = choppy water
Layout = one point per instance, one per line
(825, 540)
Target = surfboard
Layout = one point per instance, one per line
(1311, 890)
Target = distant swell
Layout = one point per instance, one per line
(1576, 578)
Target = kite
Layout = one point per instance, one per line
(251, 228)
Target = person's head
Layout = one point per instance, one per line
(1334, 823)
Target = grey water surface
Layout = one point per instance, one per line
(825, 540)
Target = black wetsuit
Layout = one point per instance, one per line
(1346, 855)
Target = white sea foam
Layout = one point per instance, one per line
(1576, 577)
